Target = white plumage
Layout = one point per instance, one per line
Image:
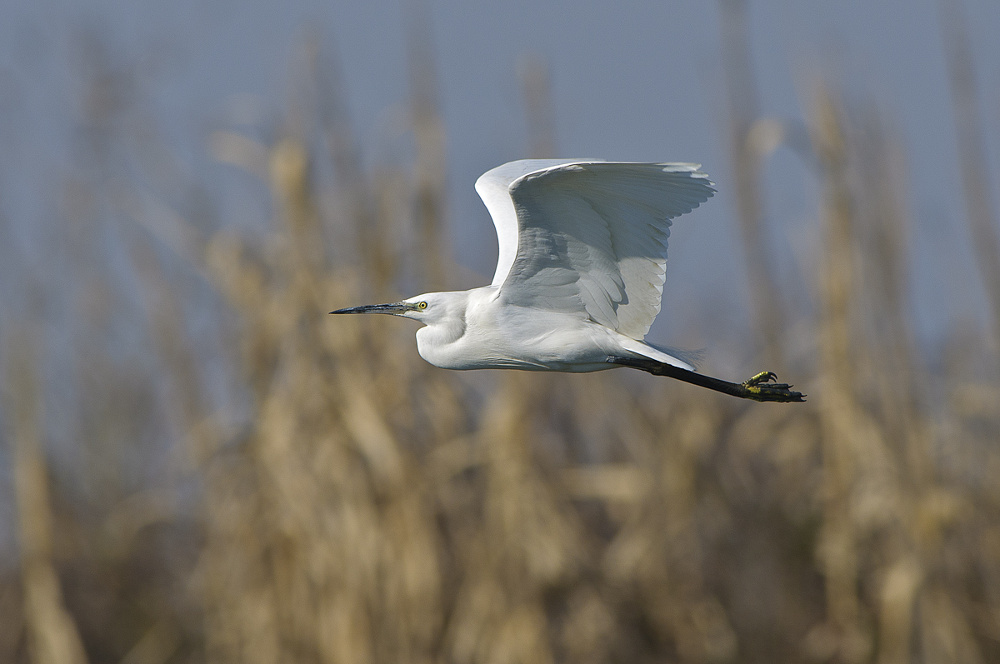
(589, 234)
(579, 277)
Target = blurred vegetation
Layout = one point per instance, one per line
(205, 468)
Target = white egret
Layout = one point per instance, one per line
(582, 260)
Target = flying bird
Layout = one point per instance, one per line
(579, 278)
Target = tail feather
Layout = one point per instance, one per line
(672, 356)
(693, 357)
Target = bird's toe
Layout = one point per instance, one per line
(762, 377)
(763, 388)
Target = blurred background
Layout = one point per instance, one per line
(199, 465)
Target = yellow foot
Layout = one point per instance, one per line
(761, 388)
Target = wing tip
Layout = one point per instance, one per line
(686, 167)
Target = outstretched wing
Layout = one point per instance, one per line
(588, 236)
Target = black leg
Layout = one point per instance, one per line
(758, 388)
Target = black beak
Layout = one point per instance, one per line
(395, 308)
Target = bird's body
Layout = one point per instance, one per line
(476, 335)
(579, 278)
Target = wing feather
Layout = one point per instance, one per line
(588, 236)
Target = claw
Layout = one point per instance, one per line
(762, 377)
(761, 388)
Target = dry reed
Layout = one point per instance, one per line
(324, 496)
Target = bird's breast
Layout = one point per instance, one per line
(531, 340)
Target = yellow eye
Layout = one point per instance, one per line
(421, 305)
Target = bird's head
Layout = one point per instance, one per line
(428, 308)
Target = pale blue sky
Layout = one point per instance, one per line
(637, 80)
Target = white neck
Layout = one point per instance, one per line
(437, 340)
